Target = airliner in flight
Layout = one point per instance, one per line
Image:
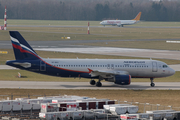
(119, 71)
(122, 22)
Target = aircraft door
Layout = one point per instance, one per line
(42, 66)
(112, 66)
(154, 67)
(108, 66)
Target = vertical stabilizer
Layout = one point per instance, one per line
(22, 50)
(137, 18)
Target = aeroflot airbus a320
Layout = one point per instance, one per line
(119, 71)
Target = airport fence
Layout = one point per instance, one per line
(143, 107)
(12, 97)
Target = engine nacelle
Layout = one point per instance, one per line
(119, 24)
(122, 79)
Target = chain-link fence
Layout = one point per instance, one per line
(13, 97)
(143, 107)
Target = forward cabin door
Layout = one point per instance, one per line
(154, 67)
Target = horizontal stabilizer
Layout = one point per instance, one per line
(25, 64)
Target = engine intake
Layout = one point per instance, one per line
(122, 79)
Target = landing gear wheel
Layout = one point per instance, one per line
(98, 84)
(92, 82)
(152, 84)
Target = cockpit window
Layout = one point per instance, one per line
(165, 66)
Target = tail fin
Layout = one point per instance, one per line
(22, 50)
(137, 18)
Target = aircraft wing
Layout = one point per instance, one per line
(106, 74)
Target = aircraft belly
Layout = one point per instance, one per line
(140, 73)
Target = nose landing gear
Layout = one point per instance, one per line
(152, 82)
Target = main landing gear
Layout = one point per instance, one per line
(92, 82)
(152, 82)
(98, 84)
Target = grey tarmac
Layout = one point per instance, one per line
(86, 85)
(131, 52)
(67, 26)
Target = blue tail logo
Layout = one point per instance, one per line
(22, 50)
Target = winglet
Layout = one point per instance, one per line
(137, 18)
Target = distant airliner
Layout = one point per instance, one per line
(119, 71)
(122, 22)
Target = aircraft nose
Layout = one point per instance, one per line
(100, 23)
(172, 71)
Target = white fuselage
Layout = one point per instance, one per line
(118, 22)
(134, 67)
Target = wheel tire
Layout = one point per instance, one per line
(98, 84)
(175, 118)
(152, 84)
(92, 82)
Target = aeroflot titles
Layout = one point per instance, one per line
(134, 62)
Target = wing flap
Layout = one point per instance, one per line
(106, 74)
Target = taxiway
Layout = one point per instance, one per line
(86, 85)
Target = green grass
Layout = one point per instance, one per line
(77, 33)
(160, 45)
(82, 23)
(50, 22)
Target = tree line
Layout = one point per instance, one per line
(90, 9)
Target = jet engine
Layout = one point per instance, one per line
(122, 79)
(119, 24)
